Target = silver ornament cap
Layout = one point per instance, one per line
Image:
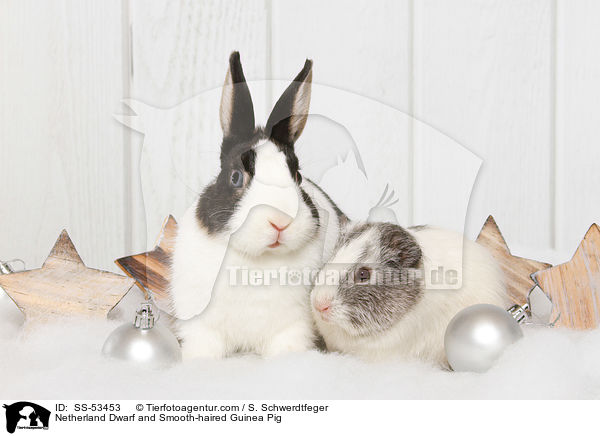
(8, 268)
(144, 342)
(477, 336)
(4, 269)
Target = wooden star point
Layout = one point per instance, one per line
(64, 286)
(63, 250)
(150, 270)
(517, 270)
(574, 286)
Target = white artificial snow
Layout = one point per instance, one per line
(63, 361)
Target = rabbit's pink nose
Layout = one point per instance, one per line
(279, 227)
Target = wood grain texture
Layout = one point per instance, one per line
(64, 286)
(482, 75)
(150, 270)
(481, 72)
(575, 286)
(362, 48)
(577, 178)
(517, 270)
(181, 50)
(62, 153)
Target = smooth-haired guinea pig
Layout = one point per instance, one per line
(391, 292)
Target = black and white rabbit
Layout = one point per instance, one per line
(375, 298)
(258, 215)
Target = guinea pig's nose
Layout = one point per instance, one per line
(323, 306)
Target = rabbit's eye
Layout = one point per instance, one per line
(362, 275)
(298, 177)
(237, 179)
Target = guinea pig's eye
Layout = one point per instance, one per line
(362, 275)
(298, 177)
(237, 178)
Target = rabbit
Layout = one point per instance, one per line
(380, 295)
(259, 214)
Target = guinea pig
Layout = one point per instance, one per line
(390, 292)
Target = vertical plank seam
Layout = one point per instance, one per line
(269, 54)
(126, 77)
(411, 112)
(554, 127)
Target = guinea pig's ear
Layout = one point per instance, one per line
(290, 113)
(402, 247)
(237, 111)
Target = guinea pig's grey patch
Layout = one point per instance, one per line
(394, 287)
(367, 250)
(352, 232)
(319, 343)
(398, 247)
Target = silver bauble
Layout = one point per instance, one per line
(478, 335)
(144, 342)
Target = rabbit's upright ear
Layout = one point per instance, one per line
(237, 111)
(290, 113)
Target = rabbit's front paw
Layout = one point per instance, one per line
(294, 339)
(203, 343)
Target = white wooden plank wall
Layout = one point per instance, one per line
(181, 50)
(363, 50)
(483, 76)
(514, 82)
(61, 153)
(577, 121)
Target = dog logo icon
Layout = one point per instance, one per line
(26, 415)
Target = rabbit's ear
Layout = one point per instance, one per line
(237, 111)
(290, 113)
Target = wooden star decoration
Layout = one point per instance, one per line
(517, 270)
(64, 286)
(574, 286)
(151, 269)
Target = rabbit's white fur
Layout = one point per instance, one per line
(260, 216)
(420, 333)
(267, 320)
